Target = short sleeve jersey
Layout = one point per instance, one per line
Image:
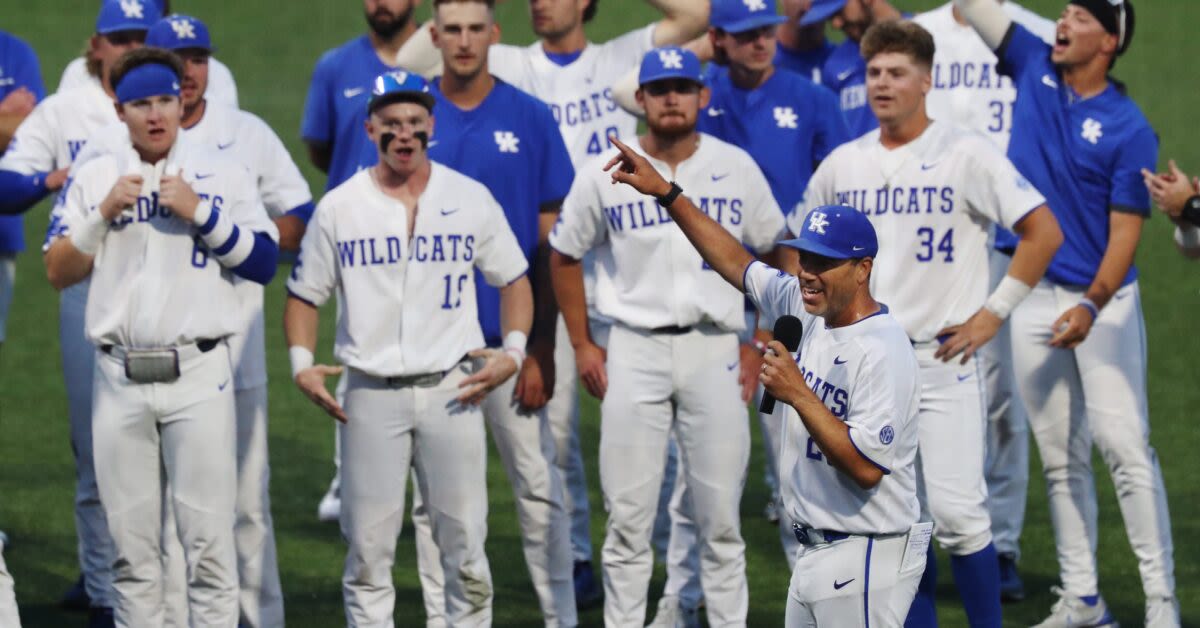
(1084, 155)
(788, 125)
(932, 202)
(866, 374)
(19, 68)
(648, 274)
(579, 92)
(406, 300)
(510, 143)
(335, 110)
(845, 73)
(806, 63)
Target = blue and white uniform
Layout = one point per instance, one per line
(510, 143)
(969, 90)
(845, 72)
(222, 88)
(806, 63)
(1085, 155)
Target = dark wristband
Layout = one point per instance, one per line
(666, 199)
(1191, 210)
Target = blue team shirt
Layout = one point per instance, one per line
(511, 144)
(806, 63)
(19, 67)
(788, 125)
(845, 72)
(1084, 156)
(336, 107)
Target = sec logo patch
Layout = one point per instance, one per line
(886, 435)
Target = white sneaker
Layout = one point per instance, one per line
(1162, 612)
(671, 615)
(330, 508)
(1072, 612)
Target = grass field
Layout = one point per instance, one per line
(271, 47)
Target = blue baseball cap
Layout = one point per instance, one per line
(126, 15)
(179, 32)
(399, 86)
(739, 16)
(821, 10)
(670, 62)
(836, 232)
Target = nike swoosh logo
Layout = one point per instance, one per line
(431, 144)
(715, 112)
(839, 361)
(845, 75)
(963, 378)
(447, 212)
(352, 92)
(731, 366)
(859, 248)
(928, 166)
(1120, 297)
(838, 585)
(718, 177)
(204, 176)
(224, 146)
(1049, 82)
(222, 386)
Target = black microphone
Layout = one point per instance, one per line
(788, 330)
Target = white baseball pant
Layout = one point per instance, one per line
(1094, 393)
(9, 617)
(8, 277)
(260, 593)
(1006, 464)
(878, 581)
(186, 429)
(526, 449)
(659, 382)
(950, 432)
(95, 543)
(394, 428)
(563, 414)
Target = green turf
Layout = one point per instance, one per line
(271, 47)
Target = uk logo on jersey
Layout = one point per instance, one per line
(1092, 130)
(785, 117)
(755, 5)
(132, 9)
(507, 141)
(817, 222)
(670, 59)
(183, 29)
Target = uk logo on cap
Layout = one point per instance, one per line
(670, 59)
(132, 9)
(836, 232)
(817, 222)
(183, 29)
(670, 62)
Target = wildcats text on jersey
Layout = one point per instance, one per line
(449, 247)
(726, 211)
(899, 200)
(969, 74)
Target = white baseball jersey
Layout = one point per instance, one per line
(55, 132)
(967, 89)
(580, 92)
(159, 284)
(221, 89)
(407, 301)
(932, 202)
(648, 274)
(866, 374)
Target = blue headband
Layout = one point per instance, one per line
(144, 81)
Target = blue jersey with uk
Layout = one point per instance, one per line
(335, 110)
(806, 63)
(19, 68)
(788, 125)
(1085, 156)
(511, 144)
(845, 73)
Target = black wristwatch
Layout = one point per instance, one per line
(666, 199)
(1191, 210)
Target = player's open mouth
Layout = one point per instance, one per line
(810, 292)
(1061, 42)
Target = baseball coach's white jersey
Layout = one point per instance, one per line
(408, 300)
(646, 280)
(932, 202)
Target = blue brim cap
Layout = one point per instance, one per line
(821, 11)
(670, 62)
(126, 15)
(836, 232)
(751, 23)
(399, 86)
(179, 32)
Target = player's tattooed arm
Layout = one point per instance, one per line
(300, 330)
(1040, 238)
(682, 20)
(516, 317)
(724, 253)
(988, 19)
(567, 276)
(782, 378)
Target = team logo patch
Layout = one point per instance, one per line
(507, 141)
(886, 435)
(670, 59)
(1092, 130)
(183, 29)
(755, 5)
(785, 117)
(132, 9)
(817, 222)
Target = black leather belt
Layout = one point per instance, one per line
(205, 345)
(674, 330)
